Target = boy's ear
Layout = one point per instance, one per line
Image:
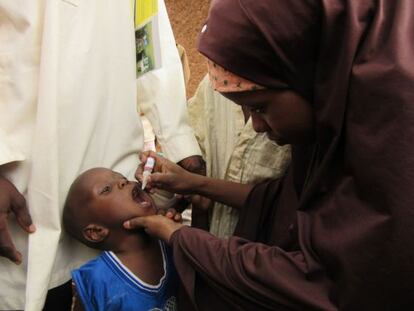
(95, 233)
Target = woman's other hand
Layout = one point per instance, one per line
(158, 226)
(171, 213)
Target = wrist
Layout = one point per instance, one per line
(199, 183)
(168, 239)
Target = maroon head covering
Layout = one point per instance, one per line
(354, 62)
(253, 39)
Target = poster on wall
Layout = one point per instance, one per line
(147, 39)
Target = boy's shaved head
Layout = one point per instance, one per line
(75, 215)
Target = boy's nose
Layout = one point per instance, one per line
(122, 183)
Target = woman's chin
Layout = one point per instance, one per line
(277, 139)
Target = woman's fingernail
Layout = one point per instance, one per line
(127, 225)
(32, 228)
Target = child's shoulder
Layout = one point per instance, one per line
(93, 281)
(94, 270)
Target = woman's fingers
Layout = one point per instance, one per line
(135, 223)
(178, 217)
(157, 226)
(170, 213)
(166, 175)
(143, 156)
(173, 214)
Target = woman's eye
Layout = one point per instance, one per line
(257, 110)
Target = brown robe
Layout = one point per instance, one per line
(337, 232)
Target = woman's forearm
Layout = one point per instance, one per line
(230, 193)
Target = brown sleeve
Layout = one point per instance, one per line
(269, 214)
(246, 275)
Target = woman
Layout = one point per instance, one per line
(334, 79)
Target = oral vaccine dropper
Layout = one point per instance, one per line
(148, 167)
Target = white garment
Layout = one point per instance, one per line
(68, 97)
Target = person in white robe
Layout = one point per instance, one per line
(68, 102)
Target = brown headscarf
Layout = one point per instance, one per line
(351, 246)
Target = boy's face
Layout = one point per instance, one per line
(112, 199)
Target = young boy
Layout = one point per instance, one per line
(134, 271)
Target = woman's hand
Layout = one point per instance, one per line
(12, 202)
(173, 178)
(157, 226)
(171, 213)
(167, 175)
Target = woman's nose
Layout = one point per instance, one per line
(259, 125)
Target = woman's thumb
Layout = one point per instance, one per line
(135, 223)
(158, 179)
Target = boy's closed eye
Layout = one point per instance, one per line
(105, 190)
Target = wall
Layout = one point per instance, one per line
(187, 17)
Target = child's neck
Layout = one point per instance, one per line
(142, 255)
(132, 243)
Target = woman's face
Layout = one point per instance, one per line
(284, 115)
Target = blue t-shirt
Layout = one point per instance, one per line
(104, 283)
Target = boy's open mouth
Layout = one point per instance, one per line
(139, 195)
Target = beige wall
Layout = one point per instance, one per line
(187, 18)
